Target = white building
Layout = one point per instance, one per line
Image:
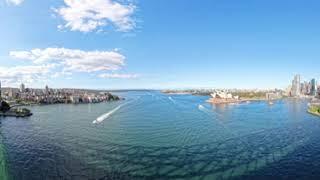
(75, 99)
(222, 95)
(296, 86)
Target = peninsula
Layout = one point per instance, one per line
(314, 107)
(6, 110)
(225, 96)
(315, 110)
(31, 96)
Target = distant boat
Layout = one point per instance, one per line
(270, 103)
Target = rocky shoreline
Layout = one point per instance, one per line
(16, 113)
(17, 110)
(7, 110)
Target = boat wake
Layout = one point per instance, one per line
(205, 110)
(173, 101)
(202, 108)
(107, 115)
(208, 111)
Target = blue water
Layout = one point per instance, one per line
(151, 135)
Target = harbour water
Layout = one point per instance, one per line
(151, 135)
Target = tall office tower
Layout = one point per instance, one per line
(309, 88)
(46, 90)
(22, 88)
(313, 87)
(296, 86)
(304, 88)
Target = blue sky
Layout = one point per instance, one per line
(110, 44)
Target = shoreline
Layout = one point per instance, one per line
(314, 109)
(224, 101)
(14, 115)
(314, 113)
(47, 104)
(177, 93)
(17, 110)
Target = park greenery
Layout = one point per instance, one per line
(250, 95)
(314, 110)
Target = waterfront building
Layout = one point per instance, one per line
(75, 99)
(222, 95)
(54, 96)
(273, 95)
(287, 91)
(296, 86)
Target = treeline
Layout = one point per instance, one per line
(259, 94)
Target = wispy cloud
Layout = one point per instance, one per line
(26, 74)
(15, 2)
(90, 15)
(64, 63)
(118, 76)
(74, 59)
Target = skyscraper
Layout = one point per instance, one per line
(313, 87)
(296, 86)
(46, 90)
(22, 88)
(306, 88)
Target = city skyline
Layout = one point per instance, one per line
(297, 86)
(158, 45)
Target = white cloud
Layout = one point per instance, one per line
(14, 2)
(118, 76)
(51, 63)
(26, 74)
(89, 15)
(74, 59)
